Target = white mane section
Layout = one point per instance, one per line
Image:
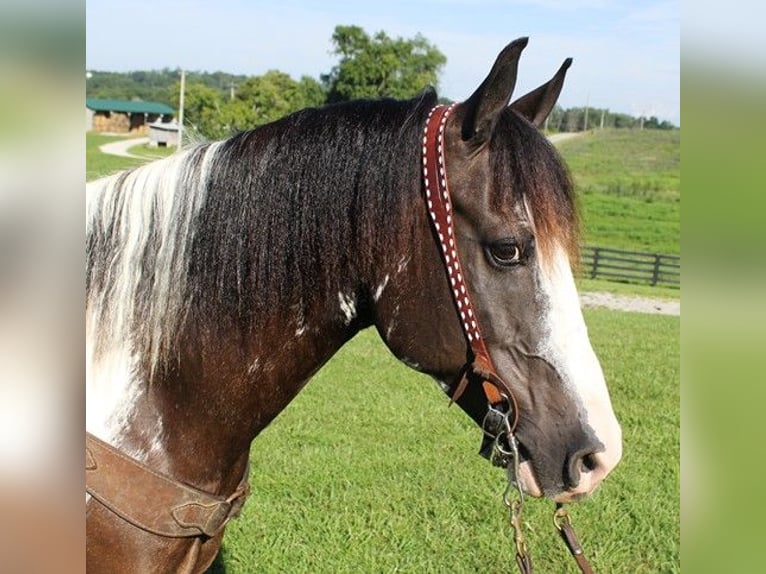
(146, 217)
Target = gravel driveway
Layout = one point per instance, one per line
(630, 303)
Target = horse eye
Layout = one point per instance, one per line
(505, 253)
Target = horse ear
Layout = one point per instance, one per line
(485, 105)
(537, 104)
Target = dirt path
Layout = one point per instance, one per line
(555, 138)
(121, 147)
(630, 303)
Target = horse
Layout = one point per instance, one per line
(221, 278)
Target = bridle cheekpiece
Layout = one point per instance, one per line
(498, 392)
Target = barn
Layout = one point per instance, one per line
(124, 116)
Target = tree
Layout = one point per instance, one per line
(257, 100)
(275, 94)
(380, 66)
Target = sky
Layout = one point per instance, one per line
(626, 52)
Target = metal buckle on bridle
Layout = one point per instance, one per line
(497, 426)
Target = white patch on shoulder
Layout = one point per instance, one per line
(112, 387)
(347, 307)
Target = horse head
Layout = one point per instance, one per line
(515, 229)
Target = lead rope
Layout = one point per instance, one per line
(561, 518)
(506, 453)
(564, 525)
(523, 558)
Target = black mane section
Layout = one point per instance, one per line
(527, 161)
(295, 209)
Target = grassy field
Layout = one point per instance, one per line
(629, 184)
(99, 164)
(369, 471)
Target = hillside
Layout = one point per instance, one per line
(629, 184)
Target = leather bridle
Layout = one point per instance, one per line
(503, 411)
(439, 203)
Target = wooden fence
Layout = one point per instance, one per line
(631, 266)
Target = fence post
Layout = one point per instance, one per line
(596, 254)
(656, 270)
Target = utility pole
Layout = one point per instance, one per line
(603, 113)
(587, 105)
(181, 109)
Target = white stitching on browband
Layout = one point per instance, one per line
(450, 253)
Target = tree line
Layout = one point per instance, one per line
(219, 104)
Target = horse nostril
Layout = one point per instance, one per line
(589, 462)
(581, 462)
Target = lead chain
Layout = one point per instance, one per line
(515, 506)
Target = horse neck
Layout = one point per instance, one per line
(228, 387)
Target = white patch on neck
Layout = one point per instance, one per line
(112, 387)
(410, 363)
(347, 307)
(403, 262)
(254, 366)
(300, 320)
(565, 345)
(379, 289)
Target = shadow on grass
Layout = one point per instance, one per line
(218, 566)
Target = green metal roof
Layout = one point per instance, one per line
(137, 107)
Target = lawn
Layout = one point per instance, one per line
(629, 185)
(369, 471)
(100, 164)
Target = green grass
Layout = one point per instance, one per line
(630, 223)
(369, 471)
(151, 152)
(100, 164)
(629, 184)
(627, 163)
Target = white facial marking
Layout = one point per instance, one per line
(347, 307)
(565, 345)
